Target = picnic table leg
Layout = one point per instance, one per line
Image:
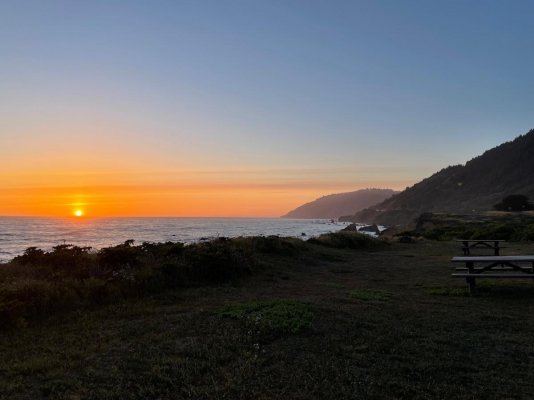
(497, 250)
(466, 248)
(471, 282)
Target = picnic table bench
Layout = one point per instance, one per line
(468, 244)
(515, 267)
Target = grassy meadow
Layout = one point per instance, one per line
(339, 317)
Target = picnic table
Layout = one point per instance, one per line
(515, 267)
(468, 244)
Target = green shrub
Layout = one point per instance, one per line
(216, 261)
(33, 296)
(508, 230)
(115, 258)
(63, 260)
(39, 283)
(96, 291)
(514, 202)
(31, 256)
(528, 232)
(450, 232)
(437, 234)
(168, 251)
(286, 246)
(348, 240)
(11, 313)
(500, 231)
(34, 299)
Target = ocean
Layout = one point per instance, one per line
(19, 233)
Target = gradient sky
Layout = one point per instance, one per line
(249, 108)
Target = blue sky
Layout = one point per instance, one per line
(384, 90)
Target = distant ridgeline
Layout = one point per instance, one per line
(474, 187)
(335, 205)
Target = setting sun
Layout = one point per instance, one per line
(78, 213)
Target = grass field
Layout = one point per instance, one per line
(326, 323)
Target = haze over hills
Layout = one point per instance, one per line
(336, 205)
(474, 187)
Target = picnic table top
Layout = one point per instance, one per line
(479, 240)
(492, 258)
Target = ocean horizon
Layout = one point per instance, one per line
(19, 233)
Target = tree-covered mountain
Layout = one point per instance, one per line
(474, 187)
(335, 205)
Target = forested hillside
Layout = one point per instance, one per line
(476, 186)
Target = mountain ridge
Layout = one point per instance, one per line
(474, 186)
(334, 205)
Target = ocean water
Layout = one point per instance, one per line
(19, 233)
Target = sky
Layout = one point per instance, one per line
(249, 108)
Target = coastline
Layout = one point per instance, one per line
(17, 235)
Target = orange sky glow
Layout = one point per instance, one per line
(218, 200)
(47, 180)
(231, 193)
(60, 168)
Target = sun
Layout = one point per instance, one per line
(78, 213)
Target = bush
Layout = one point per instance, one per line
(348, 240)
(63, 260)
(174, 276)
(33, 299)
(96, 291)
(216, 261)
(122, 256)
(286, 246)
(39, 283)
(168, 251)
(11, 313)
(514, 202)
(497, 231)
(528, 232)
(31, 256)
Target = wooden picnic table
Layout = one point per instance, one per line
(515, 267)
(468, 244)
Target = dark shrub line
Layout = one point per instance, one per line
(511, 231)
(39, 283)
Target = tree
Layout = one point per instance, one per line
(514, 202)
